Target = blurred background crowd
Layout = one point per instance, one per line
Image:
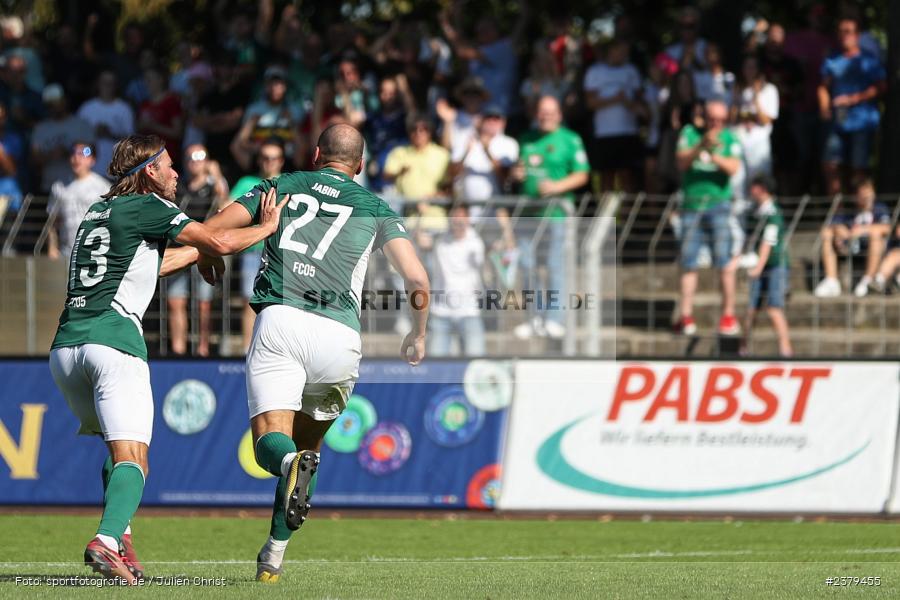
(458, 100)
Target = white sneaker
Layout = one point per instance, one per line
(529, 329)
(524, 331)
(555, 330)
(828, 288)
(862, 288)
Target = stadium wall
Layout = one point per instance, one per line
(804, 437)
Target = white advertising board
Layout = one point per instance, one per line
(701, 436)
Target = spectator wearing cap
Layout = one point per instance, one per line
(24, 105)
(54, 137)
(852, 81)
(71, 197)
(490, 57)
(460, 122)
(273, 116)
(613, 92)
(110, 116)
(864, 231)
(161, 113)
(690, 49)
(200, 194)
(553, 164)
(481, 161)
(770, 277)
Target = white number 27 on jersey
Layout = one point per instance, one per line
(312, 207)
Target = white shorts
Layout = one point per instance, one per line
(301, 361)
(107, 389)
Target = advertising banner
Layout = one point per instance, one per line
(429, 436)
(702, 436)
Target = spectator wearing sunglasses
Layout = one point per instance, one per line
(201, 192)
(70, 201)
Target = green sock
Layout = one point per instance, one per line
(106, 472)
(271, 449)
(123, 495)
(279, 529)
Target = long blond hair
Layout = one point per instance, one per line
(128, 154)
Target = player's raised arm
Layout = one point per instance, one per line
(212, 239)
(402, 256)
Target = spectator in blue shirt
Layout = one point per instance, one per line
(865, 231)
(851, 82)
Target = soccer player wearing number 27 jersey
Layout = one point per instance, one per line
(98, 357)
(304, 356)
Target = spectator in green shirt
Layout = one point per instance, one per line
(270, 160)
(769, 278)
(707, 158)
(553, 164)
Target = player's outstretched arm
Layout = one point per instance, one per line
(177, 259)
(402, 256)
(212, 239)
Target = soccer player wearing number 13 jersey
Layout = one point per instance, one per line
(98, 357)
(304, 356)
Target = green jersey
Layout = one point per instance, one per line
(113, 271)
(244, 185)
(317, 259)
(768, 226)
(704, 185)
(552, 156)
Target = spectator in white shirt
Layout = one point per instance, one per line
(70, 201)
(458, 261)
(754, 109)
(111, 118)
(613, 89)
(481, 160)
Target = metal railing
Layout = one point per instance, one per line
(620, 249)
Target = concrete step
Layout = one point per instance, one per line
(875, 312)
(806, 342)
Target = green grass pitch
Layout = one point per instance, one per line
(473, 558)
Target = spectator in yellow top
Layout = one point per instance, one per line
(418, 169)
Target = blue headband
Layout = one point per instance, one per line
(144, 164)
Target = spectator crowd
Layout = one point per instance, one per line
(462, 113)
